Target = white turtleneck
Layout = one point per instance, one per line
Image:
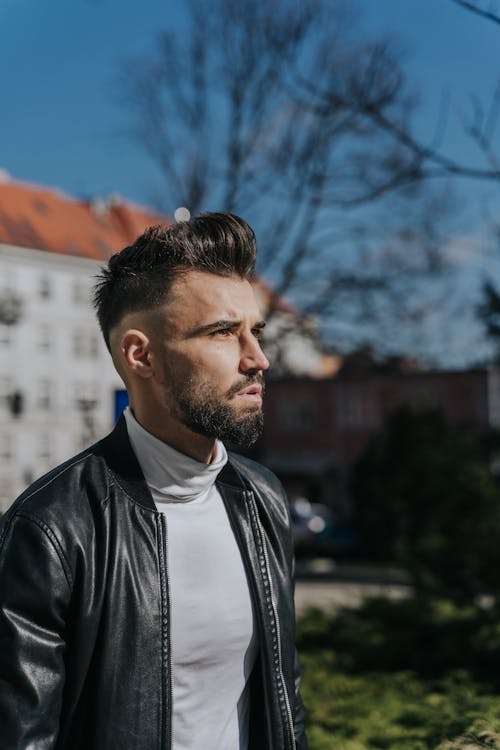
(212, 634)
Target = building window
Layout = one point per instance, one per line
(86, 402)
(29, 476)
(85, 345)
(85, 396)
(424, 397)
(6, 388)
(6, 450)
(6, 337)
(44, 338)
(44, 448)
(6, 493)
(11, 306)
(45, 392)
(352, 411)
(93, 346)
(78, 344)
(45, 287)
(296, 417)
(80, 292)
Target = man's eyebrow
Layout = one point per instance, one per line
(220, 325)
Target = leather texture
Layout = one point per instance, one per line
(85, 610)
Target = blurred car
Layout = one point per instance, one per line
(317, 533)
(312, 527)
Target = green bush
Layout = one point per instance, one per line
(392, 676)
(396, 711)
(428, 639)
(424, 497)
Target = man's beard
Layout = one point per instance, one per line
(214, 416)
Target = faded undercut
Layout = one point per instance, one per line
(140, 276)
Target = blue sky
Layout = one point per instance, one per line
(61, 125)
(447, 50)
(60, 122)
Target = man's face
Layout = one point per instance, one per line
(211, 361)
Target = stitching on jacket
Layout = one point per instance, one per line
(245, 473)
(165, 719)
(21, 513)
(283, 697)
(56, 476)
(55, 543)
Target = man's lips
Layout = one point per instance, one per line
(251, 395)
(248, 389)
(252, 390)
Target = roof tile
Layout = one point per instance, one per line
(44, 219)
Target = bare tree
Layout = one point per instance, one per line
(480, 126)
(278, 111)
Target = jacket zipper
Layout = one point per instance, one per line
(167, 734)
(276, 635)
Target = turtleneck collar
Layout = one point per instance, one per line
(179, 478)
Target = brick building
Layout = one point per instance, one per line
(316, 429)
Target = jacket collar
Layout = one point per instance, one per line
(117, 451)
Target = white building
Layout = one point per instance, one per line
(57, 382)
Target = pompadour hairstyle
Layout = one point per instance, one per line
(139, 277)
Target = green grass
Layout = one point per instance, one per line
(356, 704)
(396, 711)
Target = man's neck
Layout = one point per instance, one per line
(177, 435)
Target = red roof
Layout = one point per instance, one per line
(42, 218)
(46, 219)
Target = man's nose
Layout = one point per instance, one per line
(252, 356)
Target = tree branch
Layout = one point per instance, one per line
(495, 17)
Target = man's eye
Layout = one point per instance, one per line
(222, 332)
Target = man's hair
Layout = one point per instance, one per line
(140, 276)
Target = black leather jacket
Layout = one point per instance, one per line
(84, 607)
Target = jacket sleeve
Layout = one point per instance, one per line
(300, 712)
(34, 593)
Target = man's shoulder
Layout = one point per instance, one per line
(60, 490)
(255, 472)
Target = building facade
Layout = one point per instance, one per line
(316, 429)
(57, 382)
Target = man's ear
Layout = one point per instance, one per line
(136, 351)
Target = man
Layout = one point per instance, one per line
(146, 598)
